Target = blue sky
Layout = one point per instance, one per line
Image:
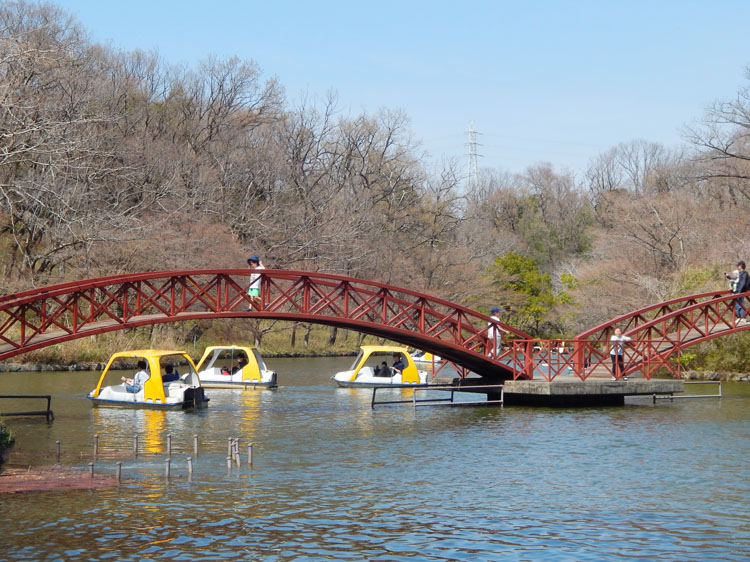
(542, 81)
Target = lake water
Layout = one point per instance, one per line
(333, 479)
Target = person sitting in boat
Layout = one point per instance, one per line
(170, 374)
(135, 384)
(398, 363)
(241, 362)
(382, 370)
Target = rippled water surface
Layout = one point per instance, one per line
(334, 479)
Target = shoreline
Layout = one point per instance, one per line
(99, 365)
(718, 376)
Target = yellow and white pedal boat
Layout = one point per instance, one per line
(174, 393)
(368, 369)
(234, 366)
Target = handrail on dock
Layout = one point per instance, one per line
(438, 401)
(673, 397)
(46, 413)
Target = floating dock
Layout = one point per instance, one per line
(571, 391)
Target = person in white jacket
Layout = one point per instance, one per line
(495, 334)
(618, 341)
(253, 290)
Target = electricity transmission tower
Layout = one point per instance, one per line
(472, 172)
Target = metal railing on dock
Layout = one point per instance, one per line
(446, 401)
(46, 413)
(673, 397)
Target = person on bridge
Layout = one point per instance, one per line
(135, 384)
(495, 334)
(253, 290)
(733, 277)
(618, 342)
(742, 285)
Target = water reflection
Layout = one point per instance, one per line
(334, 478)
(250, 411)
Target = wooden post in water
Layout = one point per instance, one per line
(57, 451)
(168, 467)
(195, 445)
(91, 470)
(96, 445)
(229, 465)
(169, 444)
(250, 454)
(190, 467)
(119, 473)
(135, 445)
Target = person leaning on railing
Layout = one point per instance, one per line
(618, 342)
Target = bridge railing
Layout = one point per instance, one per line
(581, 359)
(634, 320)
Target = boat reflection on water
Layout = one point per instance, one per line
(250, 414)
(151, 427)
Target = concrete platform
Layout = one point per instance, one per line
(571, 391)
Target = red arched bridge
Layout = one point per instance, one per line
(50, 315)
(659, 334)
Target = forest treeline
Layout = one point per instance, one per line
(115, 162)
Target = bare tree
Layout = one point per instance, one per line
(722, 142)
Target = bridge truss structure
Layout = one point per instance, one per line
(50, 315)
(659, 334)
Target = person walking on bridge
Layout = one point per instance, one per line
(742, 285)
(618, 342)
(495, 334)
(253, 291)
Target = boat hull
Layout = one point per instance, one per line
(243, 384)
(355, 384)
(149, 405)
(212, 378)
(192, 398)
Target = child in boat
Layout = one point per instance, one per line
(382, 370)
